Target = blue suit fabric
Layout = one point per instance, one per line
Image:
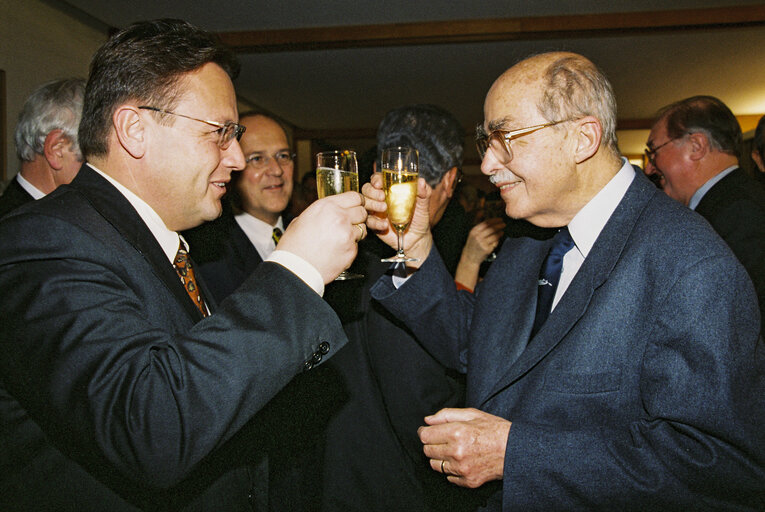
(644, 388)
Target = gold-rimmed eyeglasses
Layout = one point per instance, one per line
(261, 160)
(227, 131)
(499, 140)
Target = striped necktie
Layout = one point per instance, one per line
(276, 235)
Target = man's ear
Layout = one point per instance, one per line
(589, 133)
(130, 130)
(698, 145)
(55, 144)
(450, 181)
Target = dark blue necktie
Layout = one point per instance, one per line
(550, 275)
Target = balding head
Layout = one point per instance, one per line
(568, 86)
(548, 139)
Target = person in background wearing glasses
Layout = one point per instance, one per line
(138, 390)
(617, 366)
(694, 148)
(228, 249)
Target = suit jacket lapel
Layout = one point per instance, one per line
(247, 257)
(596, 268)
(505, 308)
(118, 211)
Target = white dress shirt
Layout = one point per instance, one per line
(587, 224)
(33, 191)
(259, 233)
(170, 240)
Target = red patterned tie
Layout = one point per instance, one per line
(185, 271)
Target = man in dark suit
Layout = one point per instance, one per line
(390, 381)
(694, 148)
(227, 250)
(134, 390)
(230, 248)
(46, 142)
(642, 389)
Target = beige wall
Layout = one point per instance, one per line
(39, 42)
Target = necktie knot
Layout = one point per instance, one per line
(276, 235)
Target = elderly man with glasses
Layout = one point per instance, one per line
(615, 367)
(694, 149)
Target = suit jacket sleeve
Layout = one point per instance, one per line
(688, 435)
(431, 306)
(111, 365)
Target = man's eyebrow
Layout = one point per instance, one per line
(500, 124)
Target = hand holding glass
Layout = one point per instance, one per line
(399, 173)
(337, 172)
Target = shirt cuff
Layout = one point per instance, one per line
(301, 268)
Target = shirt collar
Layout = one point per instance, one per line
(259, 232)
(167, 239)
(703, 189)
(590, 220)
(33, 191)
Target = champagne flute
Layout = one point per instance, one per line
(337, 172)
(399, 171)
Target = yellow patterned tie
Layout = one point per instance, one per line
(185, 271)
(276, 235)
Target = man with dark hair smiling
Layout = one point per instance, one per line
(136, 391)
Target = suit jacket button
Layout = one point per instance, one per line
(324, 347)
(317, 357)
(307, 365)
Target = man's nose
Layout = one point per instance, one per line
(233, 157)
(273, 167)
(489, 163)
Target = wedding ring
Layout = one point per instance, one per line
(442, 467)
(360, 229)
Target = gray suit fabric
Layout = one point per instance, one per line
(642, 391)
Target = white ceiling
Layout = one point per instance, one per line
(351, 89)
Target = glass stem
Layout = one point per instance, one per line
(400, 233)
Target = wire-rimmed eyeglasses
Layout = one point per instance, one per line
(227, 131)
(261, 160)
(499, 140)
(650, 153)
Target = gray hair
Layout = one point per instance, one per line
(575, 88)
(55, 105)
(435, 133)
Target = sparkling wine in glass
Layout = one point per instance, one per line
(399, 173)
(337, 172)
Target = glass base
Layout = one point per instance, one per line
(345, 275)
(398, 259)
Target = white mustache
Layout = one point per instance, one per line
(498, 178)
